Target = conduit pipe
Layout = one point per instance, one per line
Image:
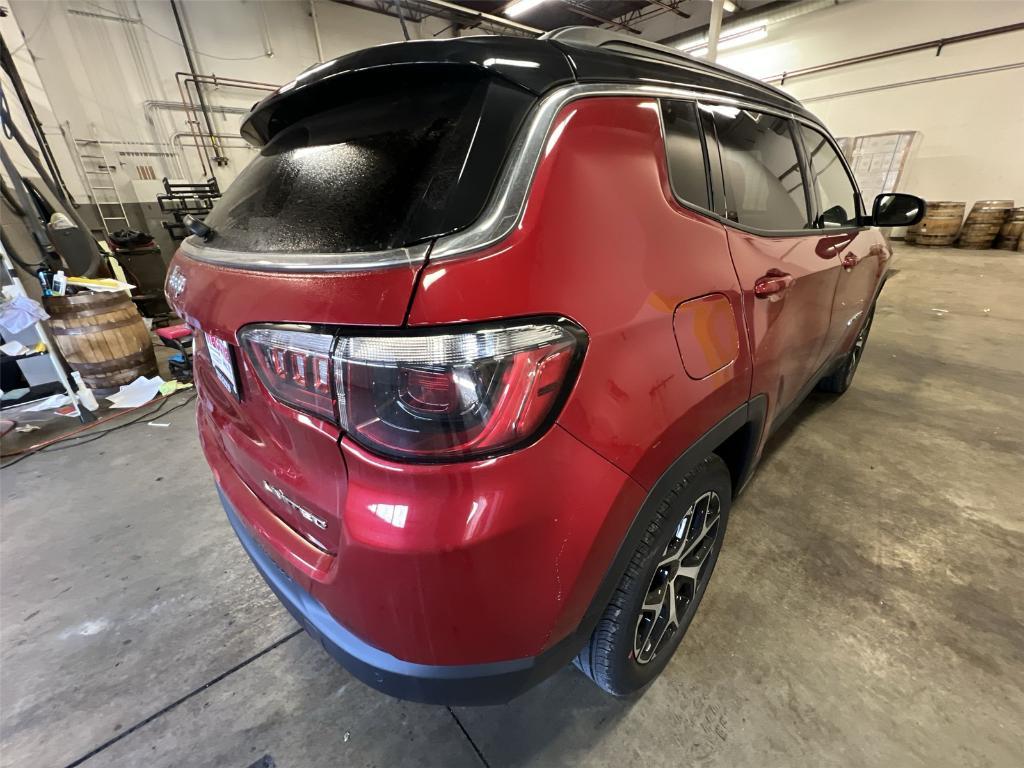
(508, 23)
(938, 44)
(183, 79)
(192, 68)
(766, 15)
(919, 81)
(316, 32)
(715, 29)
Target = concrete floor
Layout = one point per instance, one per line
(867, 610)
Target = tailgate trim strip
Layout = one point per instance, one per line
(264, 261)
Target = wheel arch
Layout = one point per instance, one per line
(734, 439)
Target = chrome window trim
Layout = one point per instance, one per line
(413, 256)
(842, 161)
(504, 209)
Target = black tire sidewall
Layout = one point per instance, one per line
(841, 379)
(624, 674)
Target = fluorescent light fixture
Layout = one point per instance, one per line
(730, 40)
(519, 7)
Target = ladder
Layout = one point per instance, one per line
(97, 171)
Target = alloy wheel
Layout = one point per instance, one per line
(678, 578)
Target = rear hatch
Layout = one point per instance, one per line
(328, 227)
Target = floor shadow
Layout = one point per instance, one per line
(563, 719)
(815, 402)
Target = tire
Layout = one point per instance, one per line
(837, 382)
(621, 656)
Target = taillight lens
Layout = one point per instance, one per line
(426, 395)
(437, 395)
(295, 366)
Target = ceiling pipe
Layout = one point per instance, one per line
(183, 79)
(458, 15)
(715, 29)
(918, 81)
(316, 32)
(774, 13)
(228, 82)
(381, 8)
(401, 19)
(217, 158)
(657, 8)
(268, 44)
(182, 106)
(938, 44)
(671, 8)
(580, 10)
(508, 23)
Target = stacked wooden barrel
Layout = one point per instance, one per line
(940, 225)
(103, 337)
(1010, 234)
(983, 223)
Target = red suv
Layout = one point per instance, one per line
(493, 330)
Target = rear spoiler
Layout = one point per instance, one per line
(535, 65)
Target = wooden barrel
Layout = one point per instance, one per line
(103, 337)
(940, 225)
(1009, 237)
(983, 223)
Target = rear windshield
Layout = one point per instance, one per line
(378, 172)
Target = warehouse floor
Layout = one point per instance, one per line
(868, 607)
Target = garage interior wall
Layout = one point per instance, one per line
(108, 70)
(971, 126)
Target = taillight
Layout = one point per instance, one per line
(295, 366)
(427, 395)
(437, 395)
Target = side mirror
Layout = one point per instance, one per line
(895, 209)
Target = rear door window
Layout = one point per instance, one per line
(764, 187)
(376, 168)
(685, 152)
(836, 193)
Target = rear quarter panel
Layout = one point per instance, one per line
(603, 242)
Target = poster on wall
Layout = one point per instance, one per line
(879, 160)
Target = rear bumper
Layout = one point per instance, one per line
(491, 683)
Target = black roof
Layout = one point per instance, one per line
(571, 54)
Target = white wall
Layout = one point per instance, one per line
(33, 85)
(972, 127)
(99, 73)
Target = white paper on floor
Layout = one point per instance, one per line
(51, 403)
(139, 392)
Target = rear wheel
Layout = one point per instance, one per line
(840, 380)
(658, 596)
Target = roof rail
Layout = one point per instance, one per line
(595, 37)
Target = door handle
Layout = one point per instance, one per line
(772, 284)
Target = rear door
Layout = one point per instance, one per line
(861, 250)
(788, 283)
